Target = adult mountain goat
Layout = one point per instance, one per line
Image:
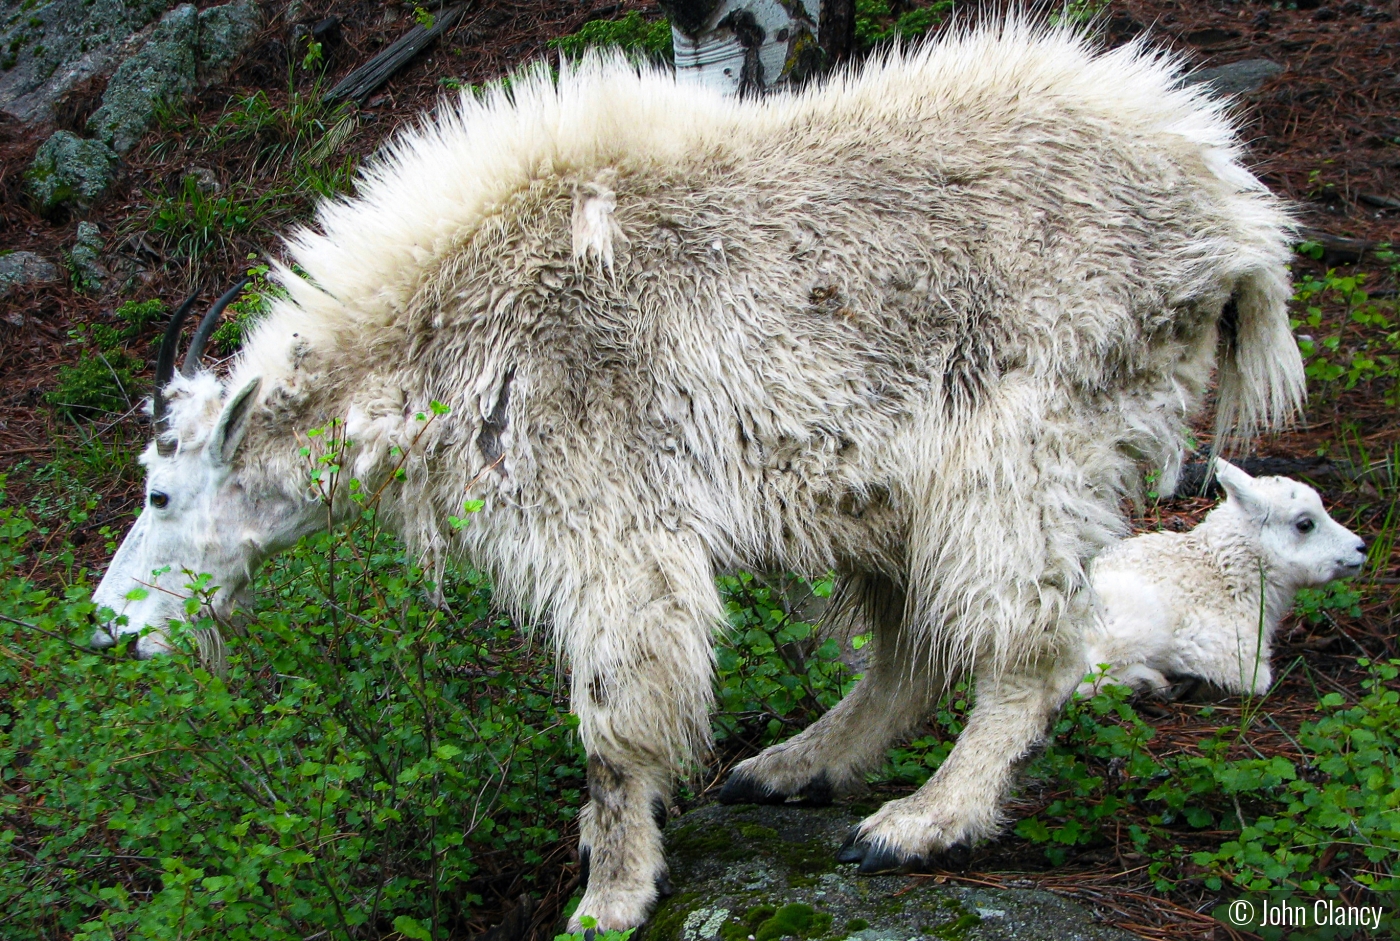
(921, 325)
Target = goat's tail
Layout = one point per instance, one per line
(1261, 381)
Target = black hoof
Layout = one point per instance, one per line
(880, 860)
(742, 789)
(852, 851)
(663, 886)
(589, 934)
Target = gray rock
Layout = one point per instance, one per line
(49, 47)
(21, 268)
(68, 169)
(205, 180)
(163, 70)
(735, 868)
(87, 270)
(225, 33)
(1237, 78)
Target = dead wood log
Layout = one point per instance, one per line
(359, 84)
(1193, 474)
(1337, 249)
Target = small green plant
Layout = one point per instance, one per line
(313, 58)
(102, 381)
(253, 302)
(422, 17)
(1315, 605)
(139, 315)
(1078, 12)
(97, 384)
(590, 925)
(631, 33)
(192, 224)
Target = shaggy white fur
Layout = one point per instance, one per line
(921, 324)
(1207, 603)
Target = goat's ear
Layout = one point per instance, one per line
(1239, 487)
(228, 433)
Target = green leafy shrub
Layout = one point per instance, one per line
(773, 675)
(100, 382)
(1314, 604)
(138, 315)
(631, 34)
(877, 23)
(363, 751)
(1351, 338)
(362, 755)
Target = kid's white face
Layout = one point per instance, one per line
(1299, 539)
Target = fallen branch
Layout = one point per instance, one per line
(1337, 249)
(1193, 473)
(359, 84)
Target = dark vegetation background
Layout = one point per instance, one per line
(376, 766)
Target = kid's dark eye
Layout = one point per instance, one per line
(159, 500)
(1305, 525)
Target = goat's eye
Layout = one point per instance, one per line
(1305, 525)
(159, 500)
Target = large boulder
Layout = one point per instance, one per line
(187, 48)
(768, 873)
(225, 33)
(163, 70)
(69, 169)
(48, 48)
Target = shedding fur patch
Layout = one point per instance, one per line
(194, 403)
(594, 226)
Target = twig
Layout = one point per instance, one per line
(35, 627)
(358, 85)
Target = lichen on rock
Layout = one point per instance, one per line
(769, 874)
(163, 70)
(224, 33)
(69, 169)
(21, 268)
(88, 272)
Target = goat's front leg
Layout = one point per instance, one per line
(640, 646)
(961, 803)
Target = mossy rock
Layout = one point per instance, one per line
(769, 874)
(68, 169)
(163, 70)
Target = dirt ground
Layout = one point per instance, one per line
(1325, 133)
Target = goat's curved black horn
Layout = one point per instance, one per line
(206, 328)
(165, 360)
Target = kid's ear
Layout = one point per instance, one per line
(1240, 489)
(233, 423)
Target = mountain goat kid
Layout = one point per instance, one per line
(921, 324)
(1206, 604)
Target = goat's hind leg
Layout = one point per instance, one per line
(961, 803)
(834, 753)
